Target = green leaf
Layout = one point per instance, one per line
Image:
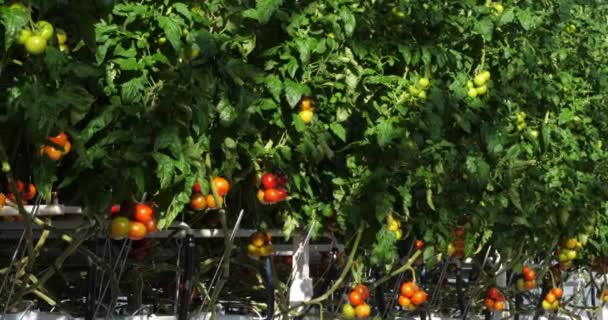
(13, 21)
(338, 130)
(294, 92)
(264, 9)
(183, 10)
(172, 31)
(132, 90)
(485, 27)
(274, 85)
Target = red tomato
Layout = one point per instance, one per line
(489, 303)
(459, 232)
(196, 188)
(222, 186)
(282, 194)
(269, 181)
(272, 196)
(137, 231)
(530, 275)
(59, 139)
(120, 228)
(115, 209)
(20, 186)
(143, 213)
(151, 226)
(525, 270)
(355, 298)
(288, 260)
(493, 293)
(282, 179)
(362, 289)
(419, 244)
(31, 192)
(459, 244)
(2, 200)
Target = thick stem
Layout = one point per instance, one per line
(405, 267)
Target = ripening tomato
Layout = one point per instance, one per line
(493, 293)
(257, 239)
(404, 302)
(419, 244)
(269, 181)
(408, 289)
(222, 186)
(419, 297)
(529, 285)
(260, 196)
(120, 228)
(2, 200)
(355, 298)
(489, 303)
(272, 195)
(196, 188)
(143, 213)
(499, 305)
(362, 289)
(67, 147)
(557, 292)
(530, 275)
(546, 305)
(211, 203)
(137, 231)
(266, 250)
(363, 310)
(151, 226)
(306, 116)
(52, 153)
(59, 139)
(198, 202)
(253, 251)
(550, 297)
(306, 103)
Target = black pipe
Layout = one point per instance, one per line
(379, 292)
(460, 291)
(518, 302)
(186, 282)
(269, 287)
(91, 284)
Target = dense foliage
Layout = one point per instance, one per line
(156, 95)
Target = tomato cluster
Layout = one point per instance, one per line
(273, 188)
(307, 108)
(419, 90)
(260, 244)
(410, 296)
(26, 191)
(133, 224)
(478, 86)
(52, 152)
(551, 301)
(568, 252)
(456, 248)
(357, 307)
(395, 226)
(528, 279)
(200, 202)
(495, 300)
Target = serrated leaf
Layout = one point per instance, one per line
(485, 27)
(294, 92)
(172, 31)
(338, 130)
(264, 9)
(275, 86)
(183, 10)
(13, 21)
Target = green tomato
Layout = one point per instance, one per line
(499, 8)
(470, 84)
(424, 83)
(45, 29)
(521, 126)
(18, 6)
(413, 90)
(485, 74)
(482, 90)
(479, 80)
(62, 36)
(192, 51)
(398, 13)
(35, 45)
(472, 93)
(422, 95)
(162, 40)
(571, 28)
(534, 133)
(24, 35)
(6, 167)
(120, 227)
(348, 311)
(563, 257)
(571, 254)
(64, 48)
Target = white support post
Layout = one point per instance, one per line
(301, 288)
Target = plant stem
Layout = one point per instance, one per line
(402, 269)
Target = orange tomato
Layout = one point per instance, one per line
(211, 201)
(363, 310)
(419, 297)
(67, 147)
(489, 303)
(530, 275)
(31, 192)
(222, 186)
(198, 202)
(557, 292)
(151, 226)
(59, 139)
(499, 305)
(529, 285)
(362, 289)
(137, 231)
(52, 153)
(419, 244)
(550, 297)
(404, 302)
(408, 289)
(2, 200)
(355, 298)
(143, 213)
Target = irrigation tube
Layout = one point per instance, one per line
(186, 284)
(269, 288)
